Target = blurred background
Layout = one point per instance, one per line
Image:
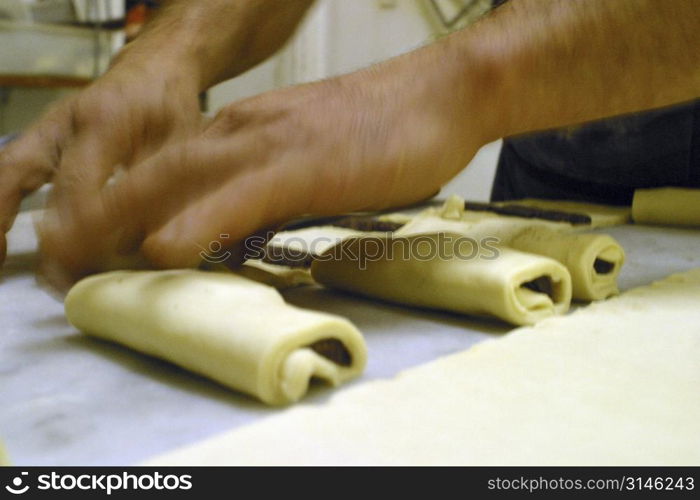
(51, 48)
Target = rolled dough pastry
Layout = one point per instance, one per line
(223, 326)
(667, 206)
(450, 274)
(616, 383)
(593, 260)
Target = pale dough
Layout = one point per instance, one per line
(4, 458)
(616, 383)
(452, 216)
(311, 240)
(601, 215)
(593, 260)
(667, 206)
(516, 287)
(314, 240)
(223, 326)
(280, 277)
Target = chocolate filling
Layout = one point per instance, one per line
(602, 266)
(358, 222)
(542, 284)
(515, 210)
(334, 350)
(367, 223)
(283, 256)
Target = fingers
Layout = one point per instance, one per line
(28, 163)
(96, 145)
(204, 192)
(86, 228)
(87, 163)
(98, 225)
(30, 160)
(188, 202)
(100, 139)
(210, 227)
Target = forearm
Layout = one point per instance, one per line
(540, 64)
(217, 39)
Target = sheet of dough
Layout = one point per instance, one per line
(220, 325)
(311, 240)
(315, 239)
(601, 215)
(4, 458)
(454, 278)
(667, 206)
(452, 211)
(616, 383)
(593, 260)
(280, 277)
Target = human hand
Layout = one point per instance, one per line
(370, 140)
(121, 119)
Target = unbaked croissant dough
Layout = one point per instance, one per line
(315, 239)
(445, 271)
(295, 244)
(226, 327)
(667, 206)
(601, 215)
(277, 276)
(615, 383)
(593, 260)
(4, 459)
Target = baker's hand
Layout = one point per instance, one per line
(369, 140)
(120, 120)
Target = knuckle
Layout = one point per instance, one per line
(253, 110)
(71, 179)
(26, 169)
(228, 119)
(96, 108)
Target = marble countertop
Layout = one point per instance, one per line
(66, 399)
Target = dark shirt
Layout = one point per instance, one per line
(604, 161)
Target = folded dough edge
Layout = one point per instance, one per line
(233, 330)
(511, 285)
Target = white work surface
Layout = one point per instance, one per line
(66, 399)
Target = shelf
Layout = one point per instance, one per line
(42, 81)
(48, 55)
